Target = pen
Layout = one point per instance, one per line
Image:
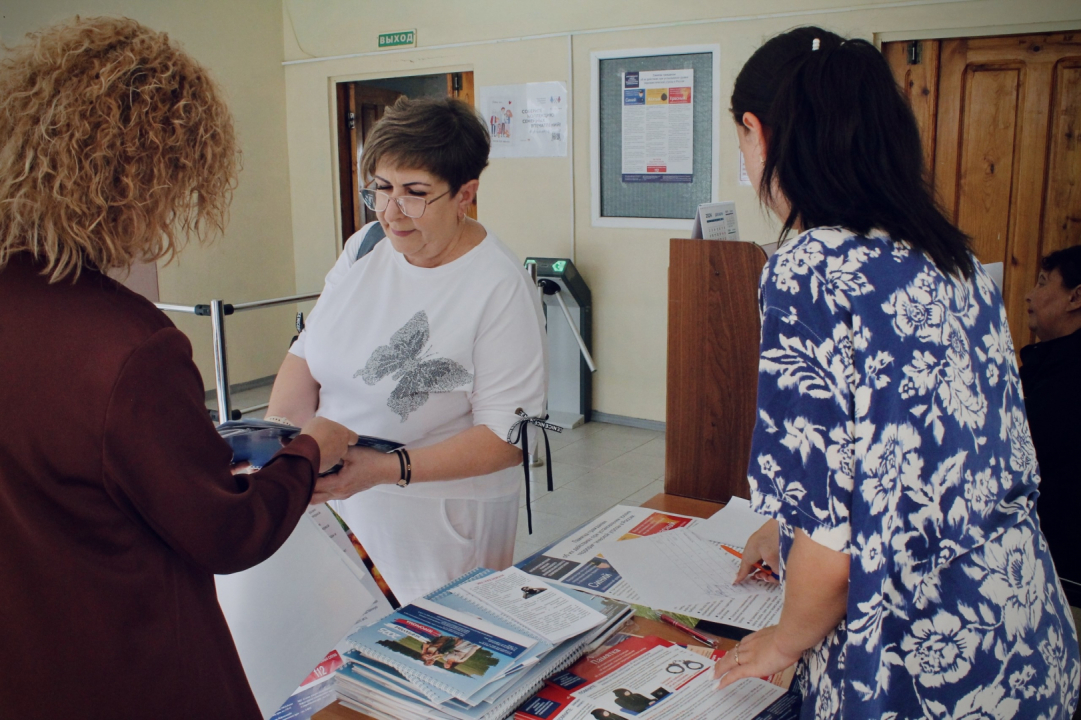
(758, 565)
(704, 639)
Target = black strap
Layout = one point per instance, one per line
(525, 469)
(371, 239)
(523, 436)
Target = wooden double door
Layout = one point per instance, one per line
(359, 107)
(1000, 119)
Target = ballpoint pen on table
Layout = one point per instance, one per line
(757, 565)
(704, 639)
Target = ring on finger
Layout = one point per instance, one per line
(735, 651)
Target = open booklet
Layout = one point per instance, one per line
(256, 441)
(657, 561)
(649, 677)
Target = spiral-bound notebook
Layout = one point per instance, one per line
(388, 682)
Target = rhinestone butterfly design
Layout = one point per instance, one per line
(407, 361)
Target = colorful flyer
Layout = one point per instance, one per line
(658, 126)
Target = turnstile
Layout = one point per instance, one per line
(568, 307)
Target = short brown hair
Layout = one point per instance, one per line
(1068, 263)
(445, 137)
(115, 147)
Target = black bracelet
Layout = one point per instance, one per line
(406, 466)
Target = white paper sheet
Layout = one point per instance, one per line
(995, 271)
(732, 525)
(677, 569)
(574, 560)
(743, 179)
(527, 120)
(288, 611)
(324, 518)
(550, 613)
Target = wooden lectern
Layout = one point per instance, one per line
(713, 337)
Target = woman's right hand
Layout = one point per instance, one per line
(763, 546)
(362, 468)
(333, 439)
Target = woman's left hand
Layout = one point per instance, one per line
(362, 468)
(758, 655)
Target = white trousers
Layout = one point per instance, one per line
(420, 544)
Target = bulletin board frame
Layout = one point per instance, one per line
(595, 133)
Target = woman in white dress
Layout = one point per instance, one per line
(433, 338)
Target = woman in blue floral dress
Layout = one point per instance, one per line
(892, 448)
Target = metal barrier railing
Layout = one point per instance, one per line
(216, 311)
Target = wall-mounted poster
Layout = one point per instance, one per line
(658, 126)
(528, 120)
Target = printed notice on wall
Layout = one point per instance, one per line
(743, 179)
(658, 126)
(528, 120)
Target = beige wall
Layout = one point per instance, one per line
(527, 201)
(241, 42)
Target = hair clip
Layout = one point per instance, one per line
(815, 44)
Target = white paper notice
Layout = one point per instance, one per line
(677, 569)
(732, 524)
(552, 614)
(528, 120)
(658, 126)
(288, 611)
(743, 179)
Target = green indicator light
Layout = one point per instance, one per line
(559, 266)
(530, 261)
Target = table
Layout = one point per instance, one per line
(639, 626)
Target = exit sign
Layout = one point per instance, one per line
(406, 38)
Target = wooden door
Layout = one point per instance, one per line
(360, 107)
(460, 86)
(1000, 119)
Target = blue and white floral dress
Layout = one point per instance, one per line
(891, 427)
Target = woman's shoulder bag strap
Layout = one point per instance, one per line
(371, 239)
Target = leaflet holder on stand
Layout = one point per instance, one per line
(570, 340)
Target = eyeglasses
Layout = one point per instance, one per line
(411, 206)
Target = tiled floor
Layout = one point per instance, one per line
(594, 467)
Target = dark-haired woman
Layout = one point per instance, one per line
(433, 338)
(891, 450)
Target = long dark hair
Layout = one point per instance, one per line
(843, 146)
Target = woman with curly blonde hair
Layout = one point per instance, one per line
(117, 504)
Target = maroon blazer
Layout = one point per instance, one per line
(117, 508)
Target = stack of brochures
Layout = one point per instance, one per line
(473, 649)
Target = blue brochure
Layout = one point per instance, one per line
(256, 441)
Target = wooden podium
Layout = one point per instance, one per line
(713, 338)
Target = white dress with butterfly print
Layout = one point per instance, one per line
(419, 355)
